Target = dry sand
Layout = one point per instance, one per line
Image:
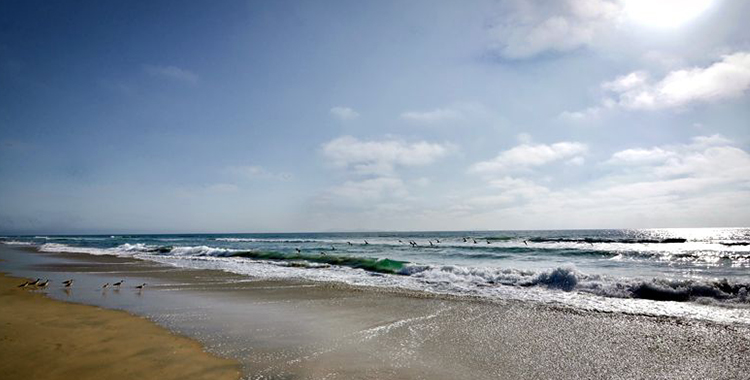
(41, 338)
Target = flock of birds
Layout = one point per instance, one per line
(67, 284)
(412, 243)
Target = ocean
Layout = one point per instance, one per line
(687, 273)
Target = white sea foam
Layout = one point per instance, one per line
(563, 285)
(16, 242)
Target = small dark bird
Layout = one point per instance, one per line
(105, 286)
(464, 240)
(525, 242)
(322, 253)
(488, 242)
(474, 240)
(431, 245)
(141, 286)
(298, 250)
(117, 284)
(437, 240)
(366, 243)
(68, 283)
(35, 282)
(43, 284)
(25, 284)
(350, 243)
(399, 240)
(333, 248)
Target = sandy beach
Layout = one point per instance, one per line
(41, 338)
(293, 329)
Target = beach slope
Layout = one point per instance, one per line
(41, 338)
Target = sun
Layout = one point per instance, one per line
(665, 13)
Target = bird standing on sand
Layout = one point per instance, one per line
(25, 284)
(43, 284)
(68, 283)
(141, 286)
(35, 282)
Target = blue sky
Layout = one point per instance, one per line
(245, 116)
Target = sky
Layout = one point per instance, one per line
(283, 116)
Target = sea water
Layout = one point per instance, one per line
(695, 273)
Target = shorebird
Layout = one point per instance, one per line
(25, 284)
(525, 242)
(350, 243)
(431, 245)
(141, 286)
(474, 240)
(437, 240)
(322, 253)
(464, 240)
(333, 248)
(488, 242)
(298, 250)
(105, 286)
(35, 282)
(68, 283)
(43, 284)
(117, 284)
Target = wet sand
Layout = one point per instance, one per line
(303, 330)
(41, 338)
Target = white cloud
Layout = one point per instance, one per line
(437, 115)
(381, 157)
(527, 155)
(638, 156)
(370, 190)
(254, 172)
(531, 28)
(171, 72)
(725, 79)
(453, 113)
(706, 180)
(344, 113)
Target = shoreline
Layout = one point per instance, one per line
(296, 329)
(43, 338)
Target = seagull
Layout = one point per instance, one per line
(105, 286)
(141, 286)
(68, 283)
(117, 284)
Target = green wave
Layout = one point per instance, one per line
(366, 263)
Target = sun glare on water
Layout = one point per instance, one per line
(665, 13)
